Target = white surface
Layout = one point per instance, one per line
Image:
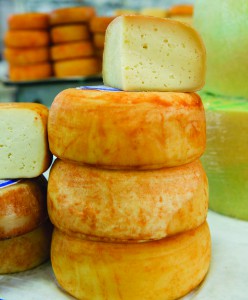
(226, 280)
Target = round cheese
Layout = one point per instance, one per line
(181, 10)
(72, 50)
(116, 129)
(22, 205)
(127, 205)
(30, 20)
(100, 23)
(77, 67)
(26, 251)
(70, 15)
(30, 72)
(164, 269)
(26, 38)
(98, 40)
(69, 33)
(26, 56)
(223, 25)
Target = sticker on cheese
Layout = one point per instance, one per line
(22, 205)
(127, 129)
(24, 151)
(165, 269)
(226, 158)
(223, 25)
(145, 53)
(121, 205)
(26, 251)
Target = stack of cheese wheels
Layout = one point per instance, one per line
(27, 46)
(72, 52)
(25, 231)
(127, 194)
(98, 26)
(181, 12)
(225, 98)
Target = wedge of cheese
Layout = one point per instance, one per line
(24, 151)
(226, 157)
(161, 270)
(145, 53)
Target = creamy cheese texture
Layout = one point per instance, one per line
(226, 157)
(145, 53)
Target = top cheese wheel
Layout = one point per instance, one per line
(69, 15)
(29, 20)
(145, 53)
(118, 129)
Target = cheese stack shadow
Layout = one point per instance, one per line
(25, 230)
(27, 47)
(73, 52)
(127, 194)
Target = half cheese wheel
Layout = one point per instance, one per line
(22, 206)
(143, 53)
(23, 139)
(26, 38)
(98, 40)
(26, 251)
(26, 56)
(72, 50)
(33, 20)
(100, 23)
(30, 72)
(161, 270)
(127, 205)
(117, 129)
(77, 67)
(69, 33)
(68, 15)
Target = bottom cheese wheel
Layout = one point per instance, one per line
(26, 251)
(158, 270)
(22, 206)
(77, 67)
(123, 205)
(30, 72)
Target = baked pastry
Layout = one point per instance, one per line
(69, 33)
(116, 129)
(26, 38)
(28, 20)
(30, 72)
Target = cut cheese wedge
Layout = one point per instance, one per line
(145, 53)
(127, 205)
(226, 156)
(114, 129)
(161, 270)
(22, 205)
(24, 151)
(26, 251)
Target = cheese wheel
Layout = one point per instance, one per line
(181, 10)
(30, 20)
(69, 33)
(143, 53)
(23, 140)
(223, 25)
(26, 56)
(26, 38)
(226, 156)
(72, 50)
(100, 23)
(127, 205)
(68, 15)
(116, 129)
(22, 206)
(164, 269)
(77, 67)
(30, 72)
(98, 40)
(26, 251)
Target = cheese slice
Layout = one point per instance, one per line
(164, 269)
(226, 157)
(22, 205)
(145, 53)
(24, 151)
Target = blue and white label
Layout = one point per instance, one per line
(98, 88)
(6, 183)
